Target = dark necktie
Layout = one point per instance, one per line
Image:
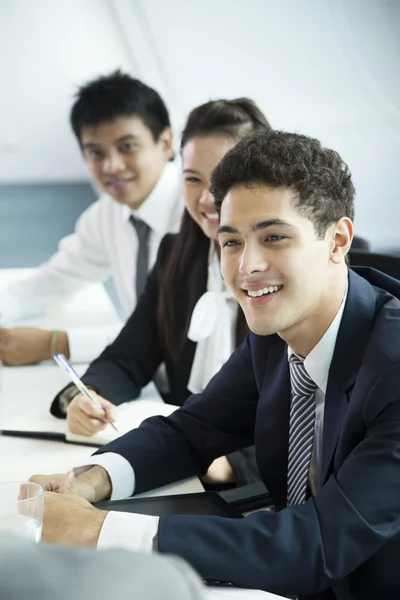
(142, 261)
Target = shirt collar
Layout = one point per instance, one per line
(161, 209)
(318, 362)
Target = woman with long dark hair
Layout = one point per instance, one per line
(186, 319)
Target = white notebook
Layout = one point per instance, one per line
(43, 425)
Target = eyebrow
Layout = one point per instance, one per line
(123, 138)
(191, 171)
(257, 226)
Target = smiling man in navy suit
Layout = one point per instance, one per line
(316, 387)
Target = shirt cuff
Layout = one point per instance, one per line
(119, 470)
(129, 531)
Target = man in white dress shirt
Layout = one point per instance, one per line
(123, 130)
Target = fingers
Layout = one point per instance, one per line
(81, 424)
(81, 485)
(85, 418)
(109, 409)
(50, 483)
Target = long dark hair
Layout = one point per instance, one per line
(234, 118)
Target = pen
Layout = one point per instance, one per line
(64, 364)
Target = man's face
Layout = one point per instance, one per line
(124, 159)
(281, 274)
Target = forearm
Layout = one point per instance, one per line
(112, 381)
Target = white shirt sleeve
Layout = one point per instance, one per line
(82, 257)
(119, 470)
(85, 344)
(129, 531)
(122, 530)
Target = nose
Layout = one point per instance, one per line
(252, 259)
(206, 198)
(112, 163)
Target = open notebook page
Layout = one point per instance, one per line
(129, 416)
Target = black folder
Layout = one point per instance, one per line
(201, 503)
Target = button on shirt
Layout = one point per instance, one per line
(104, 243)
(136, 532)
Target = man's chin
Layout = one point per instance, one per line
(261, 328)
(133, 203)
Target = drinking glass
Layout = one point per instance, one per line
(21, 509)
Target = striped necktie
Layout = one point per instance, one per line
(301, 431)
(142, 259)
(301, 434)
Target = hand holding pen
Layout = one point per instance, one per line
(83, 413)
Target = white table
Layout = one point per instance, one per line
(28, 389)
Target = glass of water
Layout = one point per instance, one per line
(21, 509)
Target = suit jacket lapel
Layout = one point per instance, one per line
(272, 424)
(352, 339)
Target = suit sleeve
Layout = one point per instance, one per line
(29, 570)
(307, 548)
(208, 425)
(245, 467)
(129, 363)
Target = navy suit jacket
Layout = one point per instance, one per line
(342, 543)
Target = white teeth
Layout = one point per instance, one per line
(266, 290)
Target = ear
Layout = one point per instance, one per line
(166, 141)
(341, 237)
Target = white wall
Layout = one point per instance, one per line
(328, 68)
(48, 48)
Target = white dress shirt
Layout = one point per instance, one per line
(136, 532)
(104, 243)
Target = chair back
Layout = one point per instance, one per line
(387, 263)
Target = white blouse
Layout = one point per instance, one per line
(212, 326)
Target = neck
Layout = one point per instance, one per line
(304, 336)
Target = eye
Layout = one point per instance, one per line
(275, 238)
(127, 147)
(94, 154)
(229, 243)
(192, 179)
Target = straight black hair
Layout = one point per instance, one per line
(118, 95)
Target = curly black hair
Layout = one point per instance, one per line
(318, 175)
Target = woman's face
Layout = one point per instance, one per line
(200, 156)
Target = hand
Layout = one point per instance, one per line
(220, 471)
(29, 345)
(69, 520)
(91, 483)
(85, 418)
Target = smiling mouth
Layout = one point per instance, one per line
(210, 217)
(118, 183)
(265, 291)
